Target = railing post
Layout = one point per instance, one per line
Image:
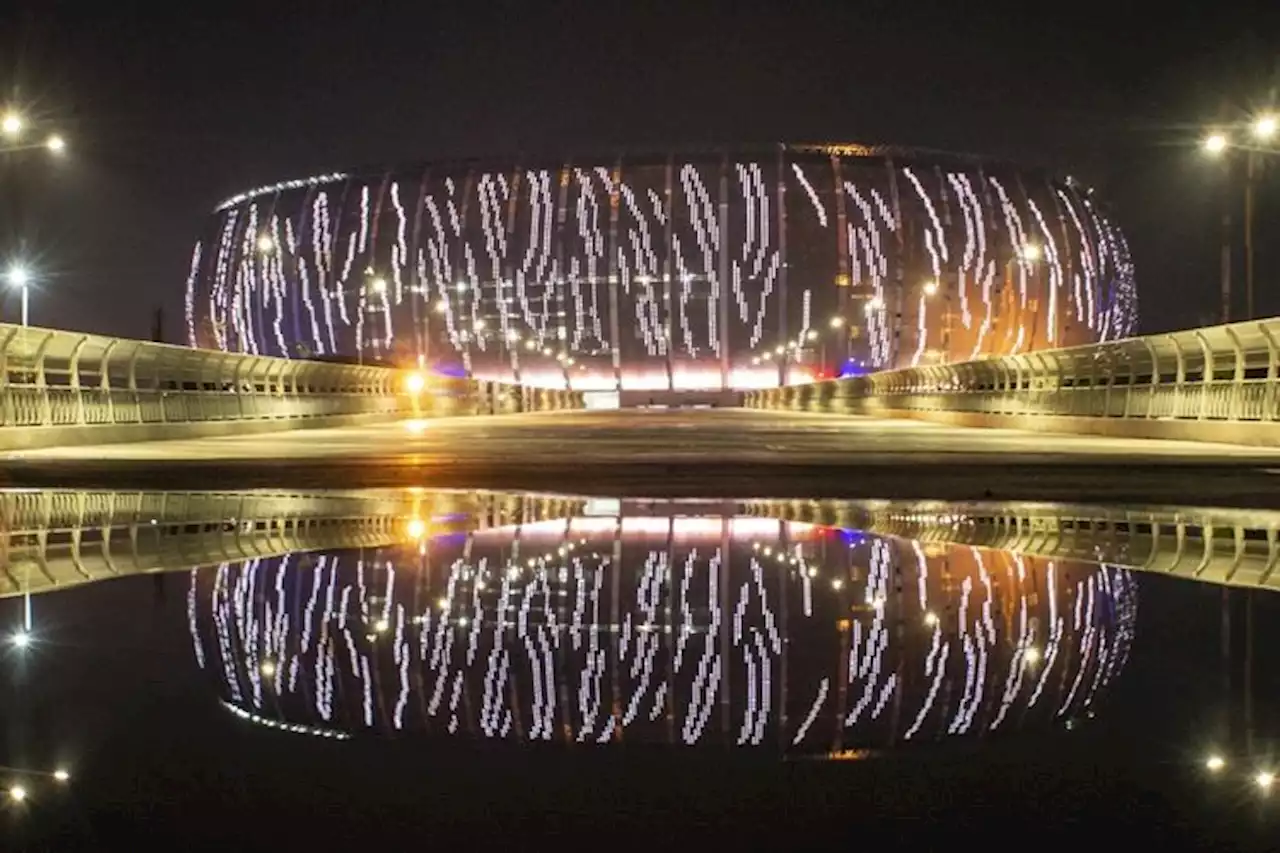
(1273, 356)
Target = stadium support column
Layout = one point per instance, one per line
(419, 292)
(722, 278)
(668, 200)
(509, 275)
(843, 282)
(782, 265)
(615, 328)
(557, 272)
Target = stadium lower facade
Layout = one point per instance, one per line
(732, 269)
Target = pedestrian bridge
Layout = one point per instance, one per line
(1213, 385)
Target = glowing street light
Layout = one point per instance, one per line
(62, 775)
(1031, 655)
(379, 285)
(1265, 126)
(415, 382)
(1215, 143)
(56, 144)
(21, 639)
(12, 125)
(1030, 252)
(268, 668)
(930, 288)
(931, 619)
(266, 245)
(836, 322)
(1215, 763)
(1264, 779)
(17, 793)
(417, 528)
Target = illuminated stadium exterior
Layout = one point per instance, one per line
(687, 624)
(722, 270)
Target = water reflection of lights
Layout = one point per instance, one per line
(682, 629)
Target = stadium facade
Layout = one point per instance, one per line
(732, 269)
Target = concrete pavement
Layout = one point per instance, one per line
(682, 453)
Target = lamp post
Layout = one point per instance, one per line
(14, 127)
(18, 276)
(1261, 131)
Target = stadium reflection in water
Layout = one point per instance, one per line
(670, 623)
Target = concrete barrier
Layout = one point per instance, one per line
(63, 388)
(1216, 384)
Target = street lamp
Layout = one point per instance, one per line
(1265, 126)
(930, 288)
(11, 125)
(56, 144)
(19, 276)
(1215, 143)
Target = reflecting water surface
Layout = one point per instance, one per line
(285, 635)
(681, 623)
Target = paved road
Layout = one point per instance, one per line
(728, 436)
(683, 452)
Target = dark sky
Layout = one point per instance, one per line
(169, 108)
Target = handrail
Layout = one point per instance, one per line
(1211, 376)
(54, 378)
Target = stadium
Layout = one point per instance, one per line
(635, 274)
(687, 625)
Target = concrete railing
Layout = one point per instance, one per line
(59, 387)
(1213, 384)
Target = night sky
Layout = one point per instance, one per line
(169, 108)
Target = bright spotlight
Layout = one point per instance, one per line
(56, 144)
(266, 245)
(836, 322)
(379, 285)
(1030, 253)
(1215, 763)
(12, 124)
(1031, 655)
(930, 288)
(811, 335)
(931, 619)
(415, 382)
(415, 427)
(21, 639)
(61, 775)
(268, 668)
(1215, 143)
(441, 306)
(18, 276)
(1264, 779)
(17, 793)
(1264, 127)
(381, 626)
(417, 528)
